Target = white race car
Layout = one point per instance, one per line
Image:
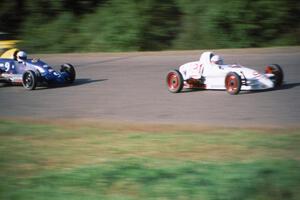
(232, 78)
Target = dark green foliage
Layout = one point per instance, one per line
(9, 21)
(133, 25)
(236, 23)
(161, 25)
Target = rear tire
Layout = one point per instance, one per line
(233, 83)
(278, 74)
(29, 80)
(3, 81)
(68, 68)
(174, 81)
(3, 84)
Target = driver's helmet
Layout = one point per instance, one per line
(21, 56)
(216, 59)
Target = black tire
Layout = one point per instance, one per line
(3, 84)
(3, 81)
(29, 80)
(70, 70)
(233, 83)
(278, 74)
(174, 81)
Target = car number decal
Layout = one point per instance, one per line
(7, 66)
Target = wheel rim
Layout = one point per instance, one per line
(28, 80)
(231, 83)
(173, 81)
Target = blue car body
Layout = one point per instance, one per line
(11, 71)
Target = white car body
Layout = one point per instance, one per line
(233, 78)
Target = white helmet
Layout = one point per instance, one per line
(217, 60)
(21, 56)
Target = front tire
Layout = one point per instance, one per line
(233, 83)
(174, 81)
(29, 80)
(277, 72)
(69, 69)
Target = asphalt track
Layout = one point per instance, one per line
(130, 87)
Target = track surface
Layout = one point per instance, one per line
(131, 87)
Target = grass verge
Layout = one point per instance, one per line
(88, 161)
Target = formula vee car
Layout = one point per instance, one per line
(230, 77)
(32, 72)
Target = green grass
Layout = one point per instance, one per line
(88, 161)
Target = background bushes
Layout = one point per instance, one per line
(140, 25)
(239, 23)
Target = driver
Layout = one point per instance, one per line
(21, 56)
(216, 60)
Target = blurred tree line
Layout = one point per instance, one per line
(139, 25)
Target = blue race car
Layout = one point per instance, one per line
(16, 69)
